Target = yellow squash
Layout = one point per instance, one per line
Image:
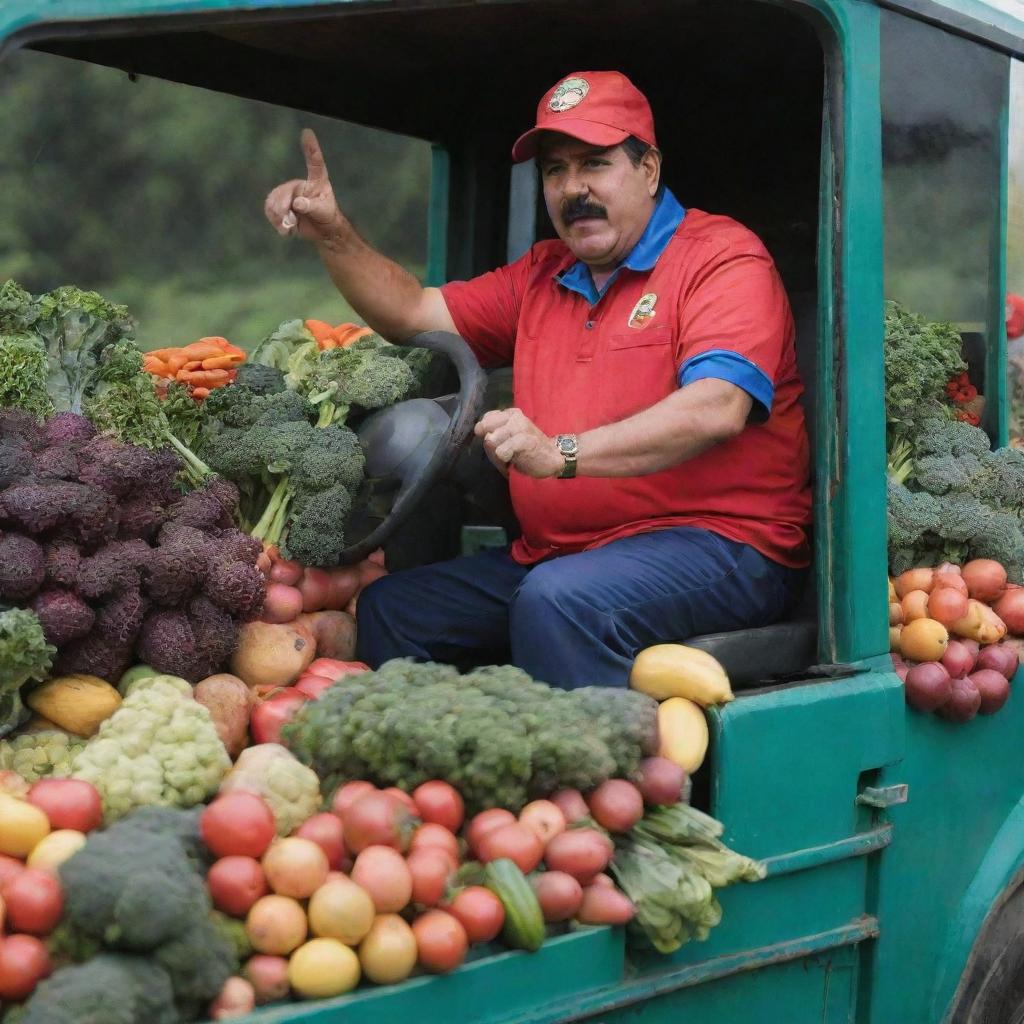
(674, 670)
(682, 733)
(77, 703)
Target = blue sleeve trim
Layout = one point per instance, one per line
(722, 364)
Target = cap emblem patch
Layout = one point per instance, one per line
(568, 94)
(643, 311)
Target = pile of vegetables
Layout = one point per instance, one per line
(951, 497)
(955, 633)
(202, 366)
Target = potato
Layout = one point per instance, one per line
(335, 633)
(271, 654)
(229, 701)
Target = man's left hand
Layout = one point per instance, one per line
(512, 440)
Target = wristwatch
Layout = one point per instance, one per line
(569, 446)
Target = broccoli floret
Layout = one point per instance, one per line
(316, 530)
(24, 655)
(333, 456)
(938, 436)
(260, 379)
(108, 989)
(22, 567)
(63, 615)
(359, 375)
(23, 372)
(18, 311)
(911, 514)
(1003, 483)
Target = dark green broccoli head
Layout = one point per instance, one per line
(333, 456)
(316, 529)
(109, 989)
(260, 379)
(198, 962)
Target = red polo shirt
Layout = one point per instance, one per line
(581, 360)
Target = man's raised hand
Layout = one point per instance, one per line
(305, 207)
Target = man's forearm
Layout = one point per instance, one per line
(384, 294)
(676, 429)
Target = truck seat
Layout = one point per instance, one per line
(784, 649)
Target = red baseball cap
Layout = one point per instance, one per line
(600, 107)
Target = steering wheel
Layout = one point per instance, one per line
(416, 442)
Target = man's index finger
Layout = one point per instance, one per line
(316, 168)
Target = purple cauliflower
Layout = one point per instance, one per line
(119, 469)
(120, 619)
(22, 567)
(57, 463)
(236, 587)
(216, 632)
(168, 643)
(41, 505)
(63, 615)
(172, 575)
(62, 561)
(141, 516)
(200, 509)
(94, 656)
(15, 461)
(113, 569)
(239, 546)
(67, 429)
(21, 426)
(199, 545)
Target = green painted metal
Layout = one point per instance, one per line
(437, 217)
(997, 398)
(859, 845)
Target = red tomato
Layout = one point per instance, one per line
(558, 894)
(433, 836)
(378, 819)
(269, 717)
(400, 794)
(24, 962)
(430, 867)
(68, 803)
(485, 822)
(441, 941)
(516, 842)
(333, 669)
(580, 852)
(326, 830)
(345, 796)
(480, 912)
(440, 803)
(238, 823)
(235, 884)
(617, 805)
(543, 818)
(383, 873)
(34, 902)
(312, 685)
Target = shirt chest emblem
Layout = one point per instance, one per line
(643, 311)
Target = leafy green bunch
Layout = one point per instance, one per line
(24, 656)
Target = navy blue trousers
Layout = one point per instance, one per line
(576, 620)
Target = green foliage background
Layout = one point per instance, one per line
(152, 193)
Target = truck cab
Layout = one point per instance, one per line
(871, 144)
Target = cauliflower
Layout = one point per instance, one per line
(39, 755)
(290, 789)
(158, 749)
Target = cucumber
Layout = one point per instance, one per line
(524, 922)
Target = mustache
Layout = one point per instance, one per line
(577, 209)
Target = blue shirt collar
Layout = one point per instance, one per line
(666, 218)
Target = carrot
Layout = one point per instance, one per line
(222, 343)
(176, 360)
(321, 331)
(200, 393)
(203, 378)
(157, 367)
(202, 350)
(224, 362)
(161, 353)
(348, 333)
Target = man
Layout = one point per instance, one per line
(656, 456)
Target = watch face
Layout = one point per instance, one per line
(567, 444)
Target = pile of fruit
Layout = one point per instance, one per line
(954, 633)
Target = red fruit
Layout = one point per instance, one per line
(345, 796)
(34, 901)
(440, 803)
(270, 717)
(616, 805)
(963, 703)
(571, 803)
(378, 819)
(927, 686)
(661, 780)
(993, 687)
(68, 803)
(235, 884)
(400, 794)
(9, 867)
(484, 822)
(514, 842)
(238, 823)
(327, 831)
(24, 962)
(481, 913)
